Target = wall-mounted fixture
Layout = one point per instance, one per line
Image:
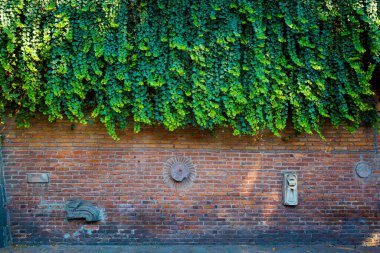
(290, 192)
(33, 178)
(81, 209)
(363, 169)
(179, 172)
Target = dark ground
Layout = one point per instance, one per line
(320, 248)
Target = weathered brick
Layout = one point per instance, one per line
(235, 198)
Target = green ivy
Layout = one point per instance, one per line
(249, 65)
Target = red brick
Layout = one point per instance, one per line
(235, 198)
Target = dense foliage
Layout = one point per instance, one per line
(250, 65)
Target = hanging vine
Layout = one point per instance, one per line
(249, 65)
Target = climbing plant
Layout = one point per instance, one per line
(249, 65)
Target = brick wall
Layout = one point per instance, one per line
(5, 239)
(235, 198)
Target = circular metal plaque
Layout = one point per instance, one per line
(179, 172)
(363, 170)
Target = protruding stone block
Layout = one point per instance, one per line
(37, 178)
(81, 209)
